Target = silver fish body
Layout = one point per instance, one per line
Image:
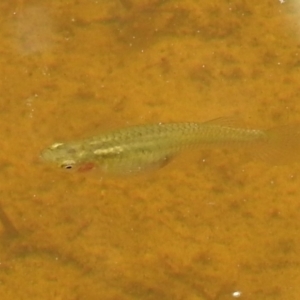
(140, 147)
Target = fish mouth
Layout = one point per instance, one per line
(47, 155)
(50, 156)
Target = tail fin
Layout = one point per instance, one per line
(281, 145)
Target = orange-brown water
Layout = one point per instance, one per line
(200, 228)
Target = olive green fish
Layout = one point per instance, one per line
(138, 148)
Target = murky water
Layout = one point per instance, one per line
(207, 226)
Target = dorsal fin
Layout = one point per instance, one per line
(232, 122)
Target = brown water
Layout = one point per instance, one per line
(203, 227)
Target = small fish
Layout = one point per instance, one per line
(143, 147)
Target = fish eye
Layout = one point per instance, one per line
(68, 164)
(67, 167)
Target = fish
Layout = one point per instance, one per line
(137, 148)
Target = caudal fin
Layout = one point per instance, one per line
(280, 146)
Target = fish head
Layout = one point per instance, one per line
(64, 154)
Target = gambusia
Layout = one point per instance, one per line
(137, 148)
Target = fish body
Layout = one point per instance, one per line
(140, 147)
